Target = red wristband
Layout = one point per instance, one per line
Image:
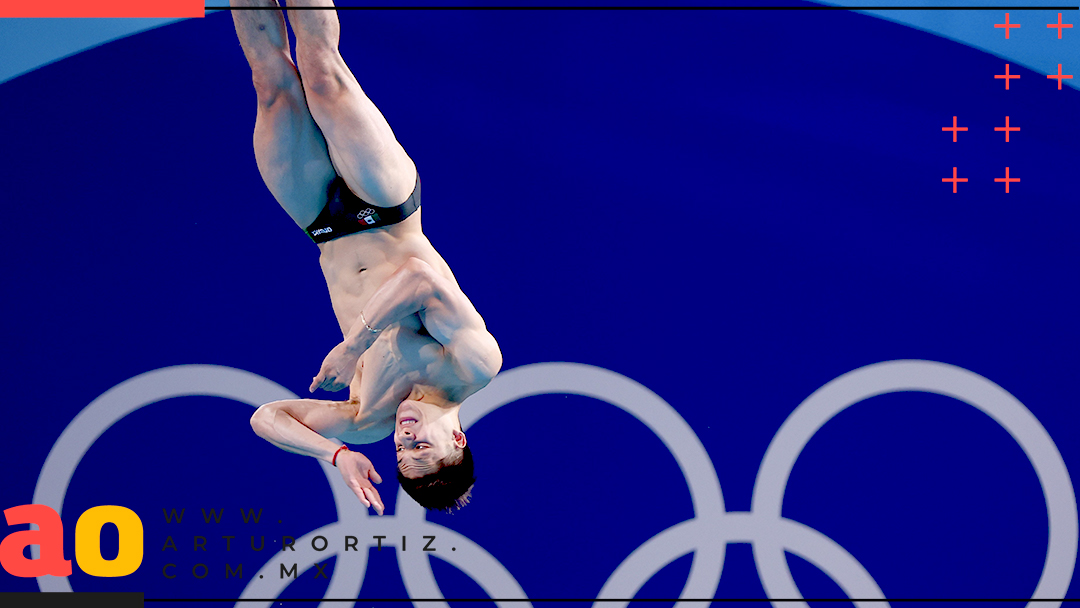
(333, 461)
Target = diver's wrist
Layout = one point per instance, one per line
(359, 342)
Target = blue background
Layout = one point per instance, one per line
(732, 208)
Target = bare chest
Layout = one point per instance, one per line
(402, 358)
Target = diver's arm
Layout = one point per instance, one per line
(302, 426)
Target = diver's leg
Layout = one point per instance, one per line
(289, 149)
(362, 145)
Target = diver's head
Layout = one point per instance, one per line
(435, 464)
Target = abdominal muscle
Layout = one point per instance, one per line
(356, 265)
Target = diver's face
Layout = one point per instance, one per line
(424, 434)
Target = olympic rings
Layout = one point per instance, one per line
(706, 535)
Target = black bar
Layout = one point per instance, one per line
(648, 8)
(591, 600)
(71, 600)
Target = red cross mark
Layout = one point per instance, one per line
(954, 129)
(955, 179)
(1006, 129)
(1059, 25)
(1008, 26)
(1006, 179)
(1059, 77)
(1007, 76)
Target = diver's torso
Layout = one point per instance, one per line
(404, 357)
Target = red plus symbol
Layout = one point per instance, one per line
(1059, 25)
(1006, 179)
(1059, 77)
(955, 179)
(1008, 26)
(1007, 76)
(954, 128)
(1006, 129)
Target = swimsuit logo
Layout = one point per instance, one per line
(367, 216)
(322, 231)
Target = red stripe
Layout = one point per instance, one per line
(102, 8)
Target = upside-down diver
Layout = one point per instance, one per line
(414, 346)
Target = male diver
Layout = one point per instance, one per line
(414, 347)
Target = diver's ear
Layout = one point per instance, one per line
(459, 439)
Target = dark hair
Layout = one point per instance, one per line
(446, 489)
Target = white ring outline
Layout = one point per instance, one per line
(254, 390)
(763, 527)
(930, 377)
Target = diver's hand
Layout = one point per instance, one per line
(337, 369)
(359, 473)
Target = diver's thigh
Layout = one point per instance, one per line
(365, 151)
(363, 147)
(292, 156)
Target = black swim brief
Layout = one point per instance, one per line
(345, 213)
